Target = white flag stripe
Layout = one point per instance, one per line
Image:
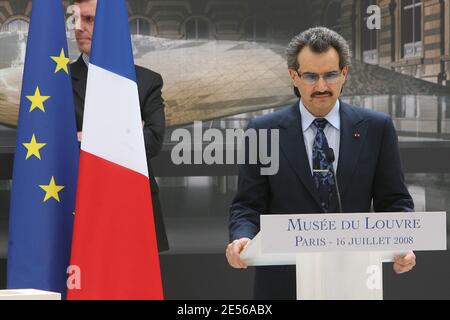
(112, 126)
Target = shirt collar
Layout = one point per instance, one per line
(332, 117)
(85, 59)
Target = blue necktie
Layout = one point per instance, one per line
(323, 179)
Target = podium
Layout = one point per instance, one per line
(328, 275)
(28, 294)
(342, 270)
(340, 275)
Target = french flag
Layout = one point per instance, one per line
(114, 244)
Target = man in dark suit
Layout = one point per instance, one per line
(365, 144)
(151, 102)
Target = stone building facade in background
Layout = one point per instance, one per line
(414, 37)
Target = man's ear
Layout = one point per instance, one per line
(345, 72)
(292, 74)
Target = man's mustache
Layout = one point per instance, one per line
(80, 35)
(325, 93)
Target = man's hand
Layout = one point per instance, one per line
(233, 251)
(79, 134)
(404, 263)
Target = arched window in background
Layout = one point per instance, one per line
(411, 21)
(332, 15)
(255, 30)
(197, 29)
(368, 36)
(16, 25)
(140, 26)
(447, 36)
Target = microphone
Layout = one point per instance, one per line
(329, 154)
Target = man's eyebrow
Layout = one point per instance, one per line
(332, 71)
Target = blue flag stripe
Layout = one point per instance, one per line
(111, 44)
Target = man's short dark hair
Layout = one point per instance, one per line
(319, 40)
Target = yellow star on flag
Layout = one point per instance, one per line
(33, 148)
(37, 101)
(51, 190)
(61, 62)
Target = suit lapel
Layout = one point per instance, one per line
(353, 134)
(293, 146)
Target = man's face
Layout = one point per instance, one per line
(85, 29)
(319, 95)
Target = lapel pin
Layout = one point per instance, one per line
(357, 135)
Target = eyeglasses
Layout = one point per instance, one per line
(311, 78)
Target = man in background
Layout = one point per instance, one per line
(151, 102)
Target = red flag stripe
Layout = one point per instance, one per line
(114, 242)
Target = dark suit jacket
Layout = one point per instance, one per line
(152, 112)
(369, 170)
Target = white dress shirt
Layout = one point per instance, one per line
(332, 131)
(86, 59)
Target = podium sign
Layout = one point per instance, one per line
(339, 256)
(398, 232)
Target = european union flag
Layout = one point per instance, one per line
(46, 159)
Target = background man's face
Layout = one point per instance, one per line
(84, 30)
(318, 98)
